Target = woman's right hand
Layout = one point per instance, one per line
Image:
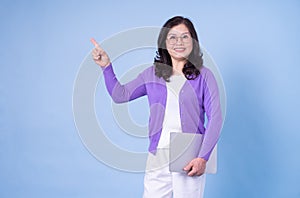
(99, 55)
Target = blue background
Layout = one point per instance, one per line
(255, 44)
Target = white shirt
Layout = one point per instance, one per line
(171, 121)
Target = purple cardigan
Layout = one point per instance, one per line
(196, 98)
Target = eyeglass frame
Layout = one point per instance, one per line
(181, 38)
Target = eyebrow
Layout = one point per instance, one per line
(172, 33)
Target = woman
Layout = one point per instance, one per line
(180, 91)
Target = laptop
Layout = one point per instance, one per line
(186, 146)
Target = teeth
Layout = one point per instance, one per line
(179, 49)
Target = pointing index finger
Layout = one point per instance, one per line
(94, 42)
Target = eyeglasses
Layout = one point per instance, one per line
(172, 39)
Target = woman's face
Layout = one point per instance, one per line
(179, 42)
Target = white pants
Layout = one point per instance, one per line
(159, 182)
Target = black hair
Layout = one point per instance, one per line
(163, 62)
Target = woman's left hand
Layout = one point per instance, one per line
(196, 167)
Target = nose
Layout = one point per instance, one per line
(179, 40)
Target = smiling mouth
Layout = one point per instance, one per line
(179, 49)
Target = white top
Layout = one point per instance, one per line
(172, 121)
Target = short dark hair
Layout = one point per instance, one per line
(163, 62)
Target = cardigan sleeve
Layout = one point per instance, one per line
(212, 108)
(123, 93)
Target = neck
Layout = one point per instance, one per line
(178, 66)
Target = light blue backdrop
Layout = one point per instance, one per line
(255, 44)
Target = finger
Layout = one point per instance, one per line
(99, 51)
(188, 167)
(192, 172)
(96, 53)
(97, 46)
(96, 58)
(94, 42)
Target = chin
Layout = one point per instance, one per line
(179, 56)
